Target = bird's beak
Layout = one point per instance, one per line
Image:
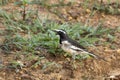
(55, 30)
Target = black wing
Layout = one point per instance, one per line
(75, 43)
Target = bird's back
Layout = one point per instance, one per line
(75, 43)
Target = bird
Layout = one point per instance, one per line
(71, 46)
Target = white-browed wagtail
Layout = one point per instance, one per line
(71, 46)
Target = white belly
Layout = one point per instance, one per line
(66, 47)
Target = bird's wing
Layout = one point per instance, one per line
(76, 48)
(82, 51)
(75, 43)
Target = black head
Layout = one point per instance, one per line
(62, 33)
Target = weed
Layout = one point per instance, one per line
(15, 65)
(118, 29)
(23, 4)
(1, 64)
(51, 66)
(3, 2)
(37, 63)
(110, 8)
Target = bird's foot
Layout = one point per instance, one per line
(73, 64)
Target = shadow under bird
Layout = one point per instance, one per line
(71, 46)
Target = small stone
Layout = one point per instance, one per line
(26, 77)
(70, 18)
(1, 78)
(118, 51)
(88, 10)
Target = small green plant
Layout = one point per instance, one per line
(109, 8)
(23, 4)
(1, 64)
(118, 29)
(51, 66)
(37, 63)
(15, 65)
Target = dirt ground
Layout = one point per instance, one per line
(60, 67)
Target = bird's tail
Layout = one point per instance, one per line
(95, 56)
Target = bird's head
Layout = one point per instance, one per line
(62, 33)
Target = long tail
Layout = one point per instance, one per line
(95, 56)
(80, 51)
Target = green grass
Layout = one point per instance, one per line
(3, 2)
(25, 37)
(16, 65)
(109, 8)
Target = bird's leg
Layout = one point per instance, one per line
(73, 65)
(73, 61)
(73, 56)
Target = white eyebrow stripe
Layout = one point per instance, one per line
(60, 31)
